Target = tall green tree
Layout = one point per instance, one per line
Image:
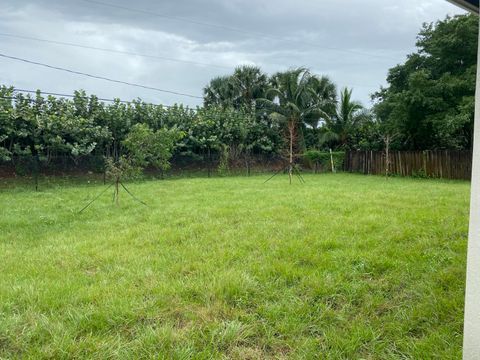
(239, 90)
(148, 147)
(324, 95)
(292, 101)
(7, 123)
(219, 92)
(250, 84)
(430, 98)
(340, 128)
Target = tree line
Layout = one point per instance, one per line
(428, 104)
(266, 117)
(48, 127)
(430, 99)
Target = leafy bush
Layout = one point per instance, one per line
(148, 147)
(316, 158)
(420, 174)
(122, 169)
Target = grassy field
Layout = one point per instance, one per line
(342, 267)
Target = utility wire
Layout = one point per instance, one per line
(66, 95)
(112, 50)
(234, 29)
(98, 77)
(131, 53)
(166, 16)
(84, 97)
(71, 96)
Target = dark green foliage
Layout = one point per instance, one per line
(304, 101)
(321, 159)
(420, 174)
(429, 103)
(48, 128)
(341, 128)
(239, 90)
(297, 99)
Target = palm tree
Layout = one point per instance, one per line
(239, 90)
(325, 94)
(219, 91)
(293, 101)
(349, 114)
(249, 83)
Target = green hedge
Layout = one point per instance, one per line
(320, 160)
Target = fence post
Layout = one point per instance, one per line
(331, 161)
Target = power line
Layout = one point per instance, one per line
(84, 97)
(87, 97)
(133, 53)
(112, 50)
(100, 99)
(166, 16)
(64, 95)
(234, 29)
(72, 96)
(98, 77)
(15, 90)
(130, 53)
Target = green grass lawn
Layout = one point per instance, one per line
(342, 267)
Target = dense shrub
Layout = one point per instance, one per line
(321, 160)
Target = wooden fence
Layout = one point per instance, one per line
(448, 164)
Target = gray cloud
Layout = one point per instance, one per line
(354, 42)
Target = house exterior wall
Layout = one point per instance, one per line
(471, 337)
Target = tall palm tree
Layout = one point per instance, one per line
(292, 100)
(219, 91)
(249, 83)
(325, 94)
(239, 90)
(349, 114)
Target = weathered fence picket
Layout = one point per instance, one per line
(448, 164)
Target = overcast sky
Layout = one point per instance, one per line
(354, 42)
